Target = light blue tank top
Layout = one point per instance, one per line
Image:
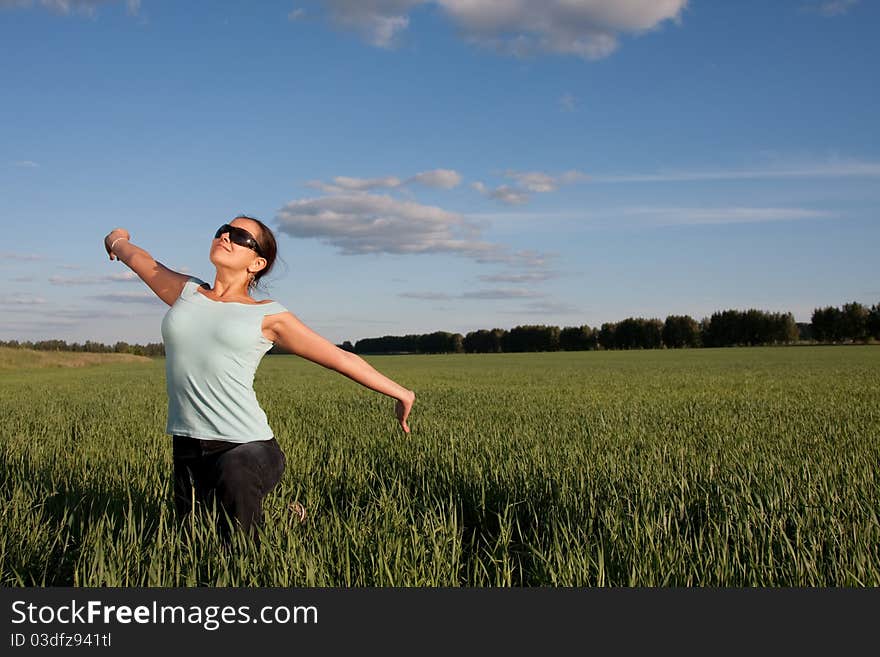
(212, 350)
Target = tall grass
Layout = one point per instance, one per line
(731, 467)
(12, 358)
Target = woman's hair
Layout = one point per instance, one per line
(268, 247)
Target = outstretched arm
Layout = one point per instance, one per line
(297, 338)
(166, 283)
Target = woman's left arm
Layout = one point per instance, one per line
(295, 337)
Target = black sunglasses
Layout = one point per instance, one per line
(239, 236)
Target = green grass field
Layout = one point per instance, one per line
(715, 467)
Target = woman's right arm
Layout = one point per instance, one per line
(166, 283)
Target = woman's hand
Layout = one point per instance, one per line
(111, 236)
(403, 407)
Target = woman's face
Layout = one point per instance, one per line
(227, 253)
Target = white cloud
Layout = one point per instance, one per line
(347, 320)
(730, 215)
(587, 28)
(660, 216)
(22, 279)
(524, 259)
(528, 182)
(367, 223)
(509, 195)
(28, 325)
(538, 181)
(129, 297)
(545, 307)
(359, 224)
(66, 7)
(92, 313)
(296, 14)
(425, 296)
(21, 300)
(486, 294)
(440, 178)
(94, 280)
(831, 169)
(25, 164)
(573, 176)
(567, 102)
(76, 312)
(584, 28)
(9, 255)
(832, 7)
(501, 293)
(534, 181)
(344, 184)
(526, 216)
(377, 21)
(526, 277)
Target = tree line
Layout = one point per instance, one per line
(852, 322)
(150, 349)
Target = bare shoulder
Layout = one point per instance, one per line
(274, 322)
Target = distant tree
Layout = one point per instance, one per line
(854, 321)
(475, 342)
(155, 349)
(626, 334)
(751, 327)
(89, 346)
(723, 329)
(496, 340)
(681, 331)
(827, 325)
(440, 342)
(785, 328)
(606, 335)
(577, 338)
(388, 344)
(874, 322)
(638, 333)
(805, 331)
(591, 335)
(484, 341)
(346, 346)
(531, 338)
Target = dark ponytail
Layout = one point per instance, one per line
(268, 247)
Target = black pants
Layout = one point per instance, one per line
(232, 476)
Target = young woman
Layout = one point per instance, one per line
(215, 337)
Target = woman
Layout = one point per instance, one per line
(224, 449)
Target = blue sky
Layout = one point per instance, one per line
(443, 164)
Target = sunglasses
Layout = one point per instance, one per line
(239, 236)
